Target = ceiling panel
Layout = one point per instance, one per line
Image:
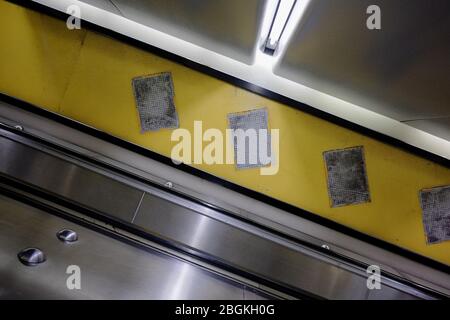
(103, 4)
(402, 70)
(229, 27)
(439, 127)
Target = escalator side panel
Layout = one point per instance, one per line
(251, 252)
(230, 242)
(68, 180)
(109, 268)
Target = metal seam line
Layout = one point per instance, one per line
(137, 208)
(117, 8)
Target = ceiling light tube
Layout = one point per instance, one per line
(280, 19)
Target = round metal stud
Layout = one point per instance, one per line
(31, 256)
(169, 184)
(67, 235)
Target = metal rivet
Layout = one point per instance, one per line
(67, 235)
(18, 127)
(169, 184)
(325, 247)
(31, 256)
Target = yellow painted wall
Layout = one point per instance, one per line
(87, 77)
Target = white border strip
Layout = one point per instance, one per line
(260, 75)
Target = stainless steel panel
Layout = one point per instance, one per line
(110, 269)
(229, 27)
(249, 252)
(400, 71)
(252, 294)
(68, 180)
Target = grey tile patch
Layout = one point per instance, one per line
(435, 205)
(254, 119)
(347, 176)
(154, 100)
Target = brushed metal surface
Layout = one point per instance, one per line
(68, 180)
(109, 268)
(252, 253)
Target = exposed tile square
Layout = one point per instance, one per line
(254, 119)
(435, 205)
(347, 176)
(154, 100)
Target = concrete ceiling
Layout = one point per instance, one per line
(229, 27)
(402, 70)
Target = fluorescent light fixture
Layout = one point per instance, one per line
(273, 27)
(280, 19)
